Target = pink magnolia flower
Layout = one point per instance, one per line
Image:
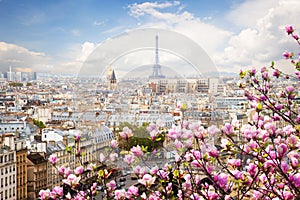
(224, 143)
(289, 29)
(153, 134)
(197, 179)
(297, 72)
(195, 196)
(296, 179)
(227, 129)
(234, 162)
(196, 163)
(78, 170)
(284, 166)
(67, 171)
(113, 157)
(178, 144)
(53, 159)
(212, 130)
(294, 162)
(120, 194)
(77, 137)
(129, 159)
(281, 150)
(256, 195)
(45, 194)
(221, 179)
(80, 196)
(196, 154)
(114, 143)
(139, 171)
(213, 152)
(162, 174)
(102, 157)
(288, 55)
(126, 133)
(151, 127)
(288, 195)
(133, 190)
(137, 151)
(289, 89)
(78, 152)
(111, 185)
(252, 71)
(72, 180)
(154, 170)
(297, 119)
(91, 167)
(61, 170)
(173, 133)
(147, 180)
(212, 195)
(57, 191)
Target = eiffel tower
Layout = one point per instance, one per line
(156, 73)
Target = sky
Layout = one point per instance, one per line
(57, 36)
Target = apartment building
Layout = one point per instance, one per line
(37, 174)
(21, 154)
(8, 182)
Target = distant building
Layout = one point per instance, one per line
(113, 81)
(13, 76)
(156, 72)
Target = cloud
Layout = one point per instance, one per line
(22, 58)
(99, 23)
(114, 30)
(256, 38)
(264, 40)
(138, 10)
(208, 36)
(246, 14)
(76, 56)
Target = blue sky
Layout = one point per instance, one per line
(58, 35)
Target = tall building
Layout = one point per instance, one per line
(156, 72)
(21, 154)
(10, 75)
(113, 81)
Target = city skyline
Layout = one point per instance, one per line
(51, 36)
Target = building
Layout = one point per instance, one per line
(8, 167)
(21, 154)
(64, 159)
(37, 174)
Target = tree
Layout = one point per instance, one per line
(258, 160)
